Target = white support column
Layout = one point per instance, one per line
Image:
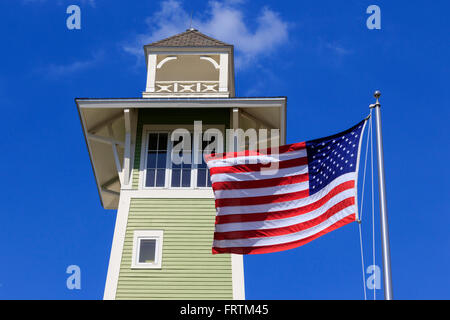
(232, 138)
(151, 72)
(127, 149)
(235, 118)
(223, 73)
(283, 124)
(237, 260)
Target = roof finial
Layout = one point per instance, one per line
(190, 23)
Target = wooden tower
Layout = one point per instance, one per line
(165, 212)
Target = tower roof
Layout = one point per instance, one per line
(189, 38)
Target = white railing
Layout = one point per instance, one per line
(186, 87)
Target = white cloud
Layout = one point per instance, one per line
(224, 21)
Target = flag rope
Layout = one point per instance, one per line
(373, 212)
(369, 134)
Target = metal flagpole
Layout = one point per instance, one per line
(384, 219)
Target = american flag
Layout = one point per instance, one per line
(311, 192)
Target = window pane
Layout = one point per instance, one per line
(176, 177)
(206, 143)
(186, 180)
(162, 141)
(209, 179)
(147, 250)
(203, 164)
(187, 160)
(152, 141)
(151, 160)
(176, 142)
(201, 178)
(161, 160)
(176, 166)
(150, 178)
(160, 177)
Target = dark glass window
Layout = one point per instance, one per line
(147, 250)
(181, 172)
(203, 179)
(156, 160)
(159, 161)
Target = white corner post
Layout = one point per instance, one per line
(151, 72)
(223, 73)
(232, 143)
(237, 260)
(386, 250)
(127, 149)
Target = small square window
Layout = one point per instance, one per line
(147, 249)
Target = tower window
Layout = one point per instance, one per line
(147, 249)
(156, 160)
(203, 179)
(182, 172)
(162, 172)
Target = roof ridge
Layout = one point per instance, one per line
(187, 39)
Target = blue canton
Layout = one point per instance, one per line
(333, 156)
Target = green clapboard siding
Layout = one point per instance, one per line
(219, 116)
(189, 270)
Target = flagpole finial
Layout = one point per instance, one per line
(377, 95)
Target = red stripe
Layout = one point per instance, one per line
(263, 183)
(284, 246)
(250, 201)
(232, 218)
(260, 233)
(282, 149)
(258, 166)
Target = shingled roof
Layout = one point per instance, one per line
(189, 38)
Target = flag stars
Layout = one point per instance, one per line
(330, 159)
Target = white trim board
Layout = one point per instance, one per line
(115, 258)
(181, 103)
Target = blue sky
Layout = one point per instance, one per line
(319, 54)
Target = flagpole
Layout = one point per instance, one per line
(383, 216)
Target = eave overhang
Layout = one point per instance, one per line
(95, 112)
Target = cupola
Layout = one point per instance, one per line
(189, 64)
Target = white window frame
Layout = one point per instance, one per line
(146, 130)
(147, 235)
